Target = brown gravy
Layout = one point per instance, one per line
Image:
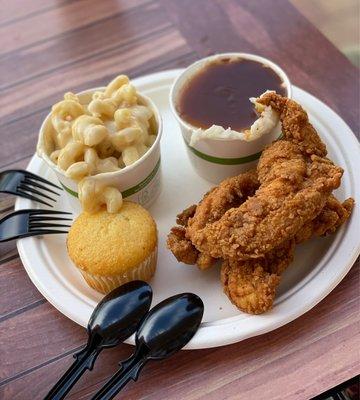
(219, 93)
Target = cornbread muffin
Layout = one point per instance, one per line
(112, 249)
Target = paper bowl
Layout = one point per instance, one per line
(139, 182)
(216, 159)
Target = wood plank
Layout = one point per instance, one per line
(38, 28)
(41, 331)
(17, 293)
(122, 30)
(30, 96)
(254, 27)
(16, 10)
(6, 202)
(45, 377)
(19, 161)
(307, 344)
(8, 252)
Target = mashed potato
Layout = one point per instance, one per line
(266, 122)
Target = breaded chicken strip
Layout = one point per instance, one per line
(251, 284)
(332, 216)
(280, 207)
(230, 193)
(296, 127)
(182, 248)
(185, 251)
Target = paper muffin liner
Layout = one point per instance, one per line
(105, 284)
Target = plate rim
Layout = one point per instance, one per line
(201, 339)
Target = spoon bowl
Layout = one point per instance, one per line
(118, 314)
(170, 325)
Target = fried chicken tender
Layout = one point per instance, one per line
(295, 185)
(230, 193)
(251, 284)
(295, 124)
(183, 218)
(185, 251)
(332, 216)
(182, 248)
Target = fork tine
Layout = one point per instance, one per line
(34, 198)
(40, 218)
(31, 190)
(45, 212)
(36, 184)
(46, 225)
(39, 178)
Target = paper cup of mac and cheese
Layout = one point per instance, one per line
(139, 181)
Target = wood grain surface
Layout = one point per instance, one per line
(50, 46)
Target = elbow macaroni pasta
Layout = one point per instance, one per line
(93, 196)
(109, 133)
(89, 130)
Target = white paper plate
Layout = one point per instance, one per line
(318, 267)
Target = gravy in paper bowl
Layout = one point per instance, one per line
(212, 100)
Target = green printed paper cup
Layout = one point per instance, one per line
(139, 182)
(215, 159)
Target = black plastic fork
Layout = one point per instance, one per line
(32, 222)
(28, 185)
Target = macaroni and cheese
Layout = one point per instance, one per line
(112, 131)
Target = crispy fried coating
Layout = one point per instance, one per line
(230, 193)
(185, 251)
(183, 218)
(274, 214)
(332, 216)
(182, 248)
(296, 127)
(295, 184)
(251, 284)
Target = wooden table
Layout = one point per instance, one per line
(48, 47)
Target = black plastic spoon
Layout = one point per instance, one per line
(164, 331)
(113, 320)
